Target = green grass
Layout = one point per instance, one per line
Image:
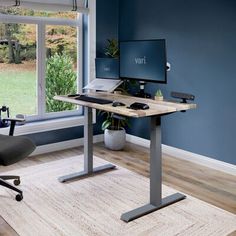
(18, 91)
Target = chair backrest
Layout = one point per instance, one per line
(14, 149)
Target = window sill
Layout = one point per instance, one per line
(48, 125)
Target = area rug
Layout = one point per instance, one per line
(93, 206)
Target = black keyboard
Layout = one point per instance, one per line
(87, 98)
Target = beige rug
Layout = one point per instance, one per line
(93, 206)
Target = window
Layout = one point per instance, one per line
(18, 76)
(61, 66)
(39, 58)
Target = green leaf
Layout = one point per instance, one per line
(60, 79)
(106, 124)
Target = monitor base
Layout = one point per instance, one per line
(141, 93)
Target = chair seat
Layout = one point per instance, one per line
(14, 149)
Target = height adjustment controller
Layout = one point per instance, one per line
(183, 96)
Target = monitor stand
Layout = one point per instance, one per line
(141, 93)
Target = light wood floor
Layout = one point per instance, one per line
(209, 185)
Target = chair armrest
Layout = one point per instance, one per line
(13, 124)
(14, 119)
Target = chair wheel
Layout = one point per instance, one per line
(19, 197)
(16, 182)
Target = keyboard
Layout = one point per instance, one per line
(87, 98)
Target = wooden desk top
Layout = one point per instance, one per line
(156, 107)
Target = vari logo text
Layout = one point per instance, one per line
(140, 60)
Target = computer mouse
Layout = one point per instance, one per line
(145, 107)
(139, 106)
(116, 104)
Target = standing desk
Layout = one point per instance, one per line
(155, 112)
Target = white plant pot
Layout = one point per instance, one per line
(115, 139)
(158, 98)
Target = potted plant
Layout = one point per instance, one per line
(113, 125)
(112, 48)
(114, 132)
(108, 65)
(158, 95)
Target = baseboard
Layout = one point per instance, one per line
(185, 155)
(64, 145)
(137, 140)
(171, 151)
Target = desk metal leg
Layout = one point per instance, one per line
(156, 200)
(88, 152)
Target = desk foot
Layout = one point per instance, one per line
(83, 174)
(149, 208)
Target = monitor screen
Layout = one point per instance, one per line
(107, 68)
(144, 60)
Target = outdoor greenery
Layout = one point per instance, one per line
(60, 79)
(18, 41)
(18, 47)
(18, 91)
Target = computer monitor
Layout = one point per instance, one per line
(143, 60)
(107, 68)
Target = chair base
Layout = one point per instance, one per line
(9, 177)
(5, 184)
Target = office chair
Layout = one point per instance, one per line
(12, 150)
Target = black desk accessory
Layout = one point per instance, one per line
(87, 98)
(138, 106)
(141, 93)
(4, 123)
(116, 104)
(183, 96)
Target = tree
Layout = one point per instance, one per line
(9, 31)
(8, 34)
(59, 39)
(60, 79)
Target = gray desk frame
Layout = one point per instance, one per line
(156, 201)
(88, 152)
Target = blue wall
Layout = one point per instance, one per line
(201, 47)
(107, 23)
(61, 135)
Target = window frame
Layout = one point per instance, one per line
(41, 23)
(62, 123)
